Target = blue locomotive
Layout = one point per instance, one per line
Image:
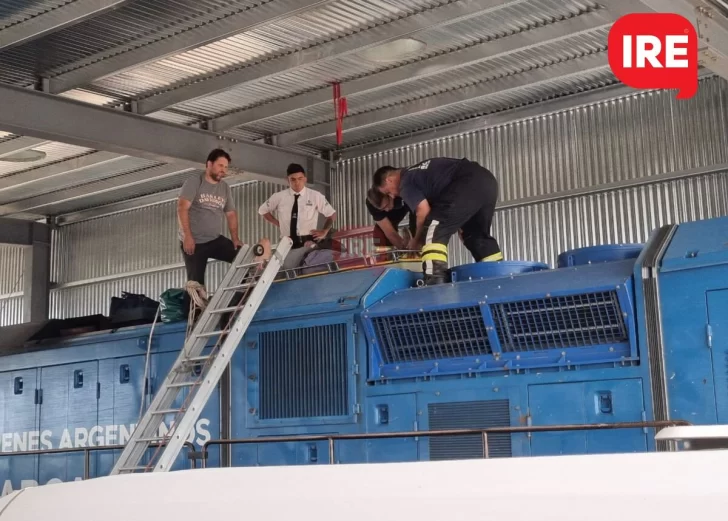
(613, 334)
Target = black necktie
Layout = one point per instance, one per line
(294, 219)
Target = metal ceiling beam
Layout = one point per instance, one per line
(200, 87)
(22, 233)
(711, 26)
(54, 20)
(45, 116)
(538, 37)
(13, 146)
(121, 206)
(62, 168)
(121, 182)
(116, 207)
(531, 78)
(108, 63)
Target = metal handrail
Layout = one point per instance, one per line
(368, 260)
(87, 454)
(332, 438)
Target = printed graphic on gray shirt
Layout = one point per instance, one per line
(210, 202)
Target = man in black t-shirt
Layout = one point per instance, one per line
(457, 194)
(387, 213)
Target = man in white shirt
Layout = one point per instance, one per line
(295, 212)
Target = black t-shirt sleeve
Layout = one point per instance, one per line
(412, 196)
(376, 213)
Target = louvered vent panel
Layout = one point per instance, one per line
(303, 372)
(469, 415)
(559, 322)
(432, 335)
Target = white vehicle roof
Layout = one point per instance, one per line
(628, 487)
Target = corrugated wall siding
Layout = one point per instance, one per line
(638, 137)
(12, 261)
(136, 251)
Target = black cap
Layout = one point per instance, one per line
(294, 168)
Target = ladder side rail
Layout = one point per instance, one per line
(245, 256)
(150, 423)
(222, 359)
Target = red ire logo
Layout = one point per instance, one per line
(655, 51)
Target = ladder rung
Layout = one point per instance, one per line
(195, 359)
(183, 384)
(224, 310)
(131, 469)
(150, 440)
(210, 334)
(239, 286)
(166, 411)
(249, 265)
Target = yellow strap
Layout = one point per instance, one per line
(434, 257)
(492, 258)
(442, 248)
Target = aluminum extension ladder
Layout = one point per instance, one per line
(241, 277)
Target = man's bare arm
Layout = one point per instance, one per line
(391, 234)
(328, 223)
(183, 216)
(269, 217)
(232, 220)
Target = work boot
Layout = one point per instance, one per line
(439, 273)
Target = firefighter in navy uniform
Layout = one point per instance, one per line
(387, 213)
(456, 194)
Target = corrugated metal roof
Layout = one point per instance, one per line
(510, 64)
(54, 152)
(297, 32)
(17, 11)
(167, 50)
(71, 178)
(90, 97)
(133, 25)
(507, 19)
(473, 108)
(101, 197)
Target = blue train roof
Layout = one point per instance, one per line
(520, 286)
(697, 244)
(314, 294)
(332, 292)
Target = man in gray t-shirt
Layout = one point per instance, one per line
(205, 203)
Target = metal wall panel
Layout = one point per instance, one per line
(633, 137)
(137, 251)
(12, 261)
(629, 138)
(11, 311)
(539, 232)
(143, 238)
